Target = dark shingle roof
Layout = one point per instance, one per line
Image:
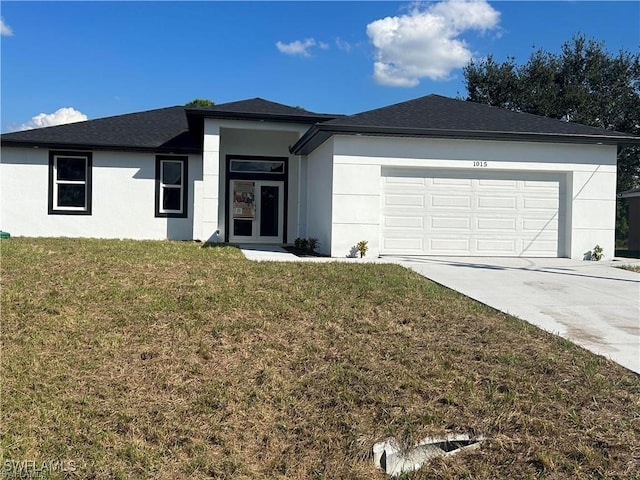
(164, 130)
(437, 116)
(173, 129)
(179, 129)
(259, 108)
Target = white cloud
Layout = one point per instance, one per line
(425, 42)
(5, 30)
(343, 45)
(59, 117)
(298, 47)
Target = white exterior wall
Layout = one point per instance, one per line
(587, 198)
(123, 198)
(319, 198)
(252, 138)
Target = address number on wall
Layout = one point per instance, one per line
(480, 164)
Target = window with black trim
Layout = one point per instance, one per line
(70, 183)
(171, 186)
(253, 166)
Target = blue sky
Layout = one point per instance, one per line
(68, 60)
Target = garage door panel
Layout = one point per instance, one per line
(501, 184)
(494, 201)
(450, 181)
(471, 213)
(539, 185)
(493, 224)
(450, 201)
(450, 223)
(493, 246)
(404, 222)
(404, 200)
(399, 181)
(539, 203)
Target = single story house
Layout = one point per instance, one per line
(429, 176)
(633, 197)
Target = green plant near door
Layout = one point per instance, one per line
(306, 244)
(597, 253)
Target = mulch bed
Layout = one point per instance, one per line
(303, 253)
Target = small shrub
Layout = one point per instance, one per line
(362, 247)
(298, 243)
(304, 244)
(313, 244)
(597, 253)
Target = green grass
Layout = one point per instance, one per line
(632, 268)
(167, 360)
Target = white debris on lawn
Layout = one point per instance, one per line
(389, 455)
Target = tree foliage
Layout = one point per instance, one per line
(199, 102)
(584, 83)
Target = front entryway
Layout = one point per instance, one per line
(256, 211)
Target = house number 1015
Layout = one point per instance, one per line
(479, 164)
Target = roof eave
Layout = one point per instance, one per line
(85, 146)
(319, 133)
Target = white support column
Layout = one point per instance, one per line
(210, 183)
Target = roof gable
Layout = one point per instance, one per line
(255, 105)
(259, 108)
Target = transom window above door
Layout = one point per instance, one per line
(256, 166)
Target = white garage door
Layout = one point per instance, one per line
(427, 212)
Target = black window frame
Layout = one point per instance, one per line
(53, 207)
(184, 160)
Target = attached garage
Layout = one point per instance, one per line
(472, 213)
(437, 176)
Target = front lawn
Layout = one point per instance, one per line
(167, 360)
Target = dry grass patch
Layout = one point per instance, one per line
(168, 360)
(633, 268)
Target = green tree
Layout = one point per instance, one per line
(199, 102)
(584, 83)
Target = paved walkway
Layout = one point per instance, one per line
(275, 253)
(593, 304)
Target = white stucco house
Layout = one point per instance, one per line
(429, 176)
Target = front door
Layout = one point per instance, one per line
(256, 211)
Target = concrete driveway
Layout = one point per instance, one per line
(592, 304)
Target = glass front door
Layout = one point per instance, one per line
(256, 211)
